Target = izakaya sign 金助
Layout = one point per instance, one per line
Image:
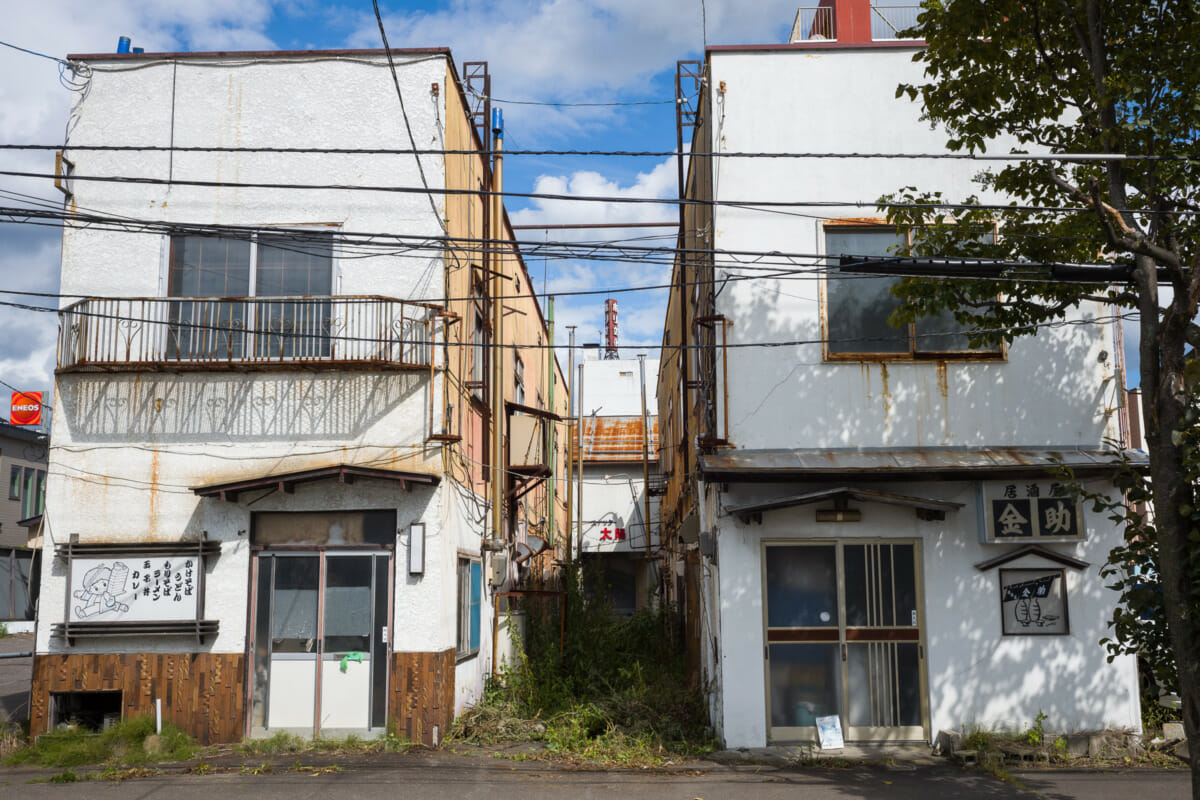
(26, 408)
(133, 589)
(1025, 511)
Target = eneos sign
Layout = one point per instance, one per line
(26, 408)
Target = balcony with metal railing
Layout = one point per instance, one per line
(198, 333)
(821, 23)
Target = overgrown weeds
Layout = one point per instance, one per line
(122, 744)
(614, 691)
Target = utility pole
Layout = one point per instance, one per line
(571, 442)
(645, 452)
(551, 438)
(496, 280)
(579, 449)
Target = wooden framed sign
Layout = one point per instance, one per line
(1033, 602)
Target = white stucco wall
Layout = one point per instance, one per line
(1051, 389)
(1057, 388)
(976, 676)
(614, 495)
(127, 447)
(613, 388)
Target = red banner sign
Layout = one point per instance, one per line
(26, 408)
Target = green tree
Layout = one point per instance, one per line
(1084, 77)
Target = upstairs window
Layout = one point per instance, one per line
(518, 379)
(280, 270)
(857, 306)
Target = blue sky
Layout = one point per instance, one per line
(546, 51)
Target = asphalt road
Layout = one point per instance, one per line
(435, 776)
(15, 674)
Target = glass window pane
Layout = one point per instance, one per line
(262, 644)
(885, 604)
(857, 307)
(290, 267)
(380, 661)
(348, 604)
(904, 559)
(854, 565)
(203, 266)
(294, 621)
(909, 682)
(802, 587)
(324, 527)
(805, 683)
(941, 333)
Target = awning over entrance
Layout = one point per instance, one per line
(909, 463)
(932, 506)
(286, 482)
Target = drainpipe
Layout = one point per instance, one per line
(499, 471)
(645, 452)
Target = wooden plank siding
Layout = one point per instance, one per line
(202, 693)
(423, 695)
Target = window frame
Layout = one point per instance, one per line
(14, 483)
(250, 340)
(469, 580)
(481, 340)
(913, 354)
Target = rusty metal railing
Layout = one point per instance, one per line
(181, 332)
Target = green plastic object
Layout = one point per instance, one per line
(354, 656)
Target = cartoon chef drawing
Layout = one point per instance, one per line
(101, 585)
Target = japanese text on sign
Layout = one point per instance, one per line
(1018, 511)
(133, 589)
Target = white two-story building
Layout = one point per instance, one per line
(870, 521)
(272, 469)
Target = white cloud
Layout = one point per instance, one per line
(578, 50)
(33, 109)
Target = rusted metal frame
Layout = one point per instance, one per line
(475, 77)
(243, 351)
(710, 320)
(686, 115)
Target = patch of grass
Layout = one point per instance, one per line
(613, 691)
(283, 743)
(122, 744)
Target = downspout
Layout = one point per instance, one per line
(499, 472)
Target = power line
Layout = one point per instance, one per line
(404, 113)
(230, 330)
(63, 62)
(1041, 157)
(757, 259)
(748, 205)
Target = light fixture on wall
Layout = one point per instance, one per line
(416, 548)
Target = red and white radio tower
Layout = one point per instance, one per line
(610, 329)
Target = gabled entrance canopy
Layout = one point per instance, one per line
(286, 482)
(927, 507)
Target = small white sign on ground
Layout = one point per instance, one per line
(829, 730)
